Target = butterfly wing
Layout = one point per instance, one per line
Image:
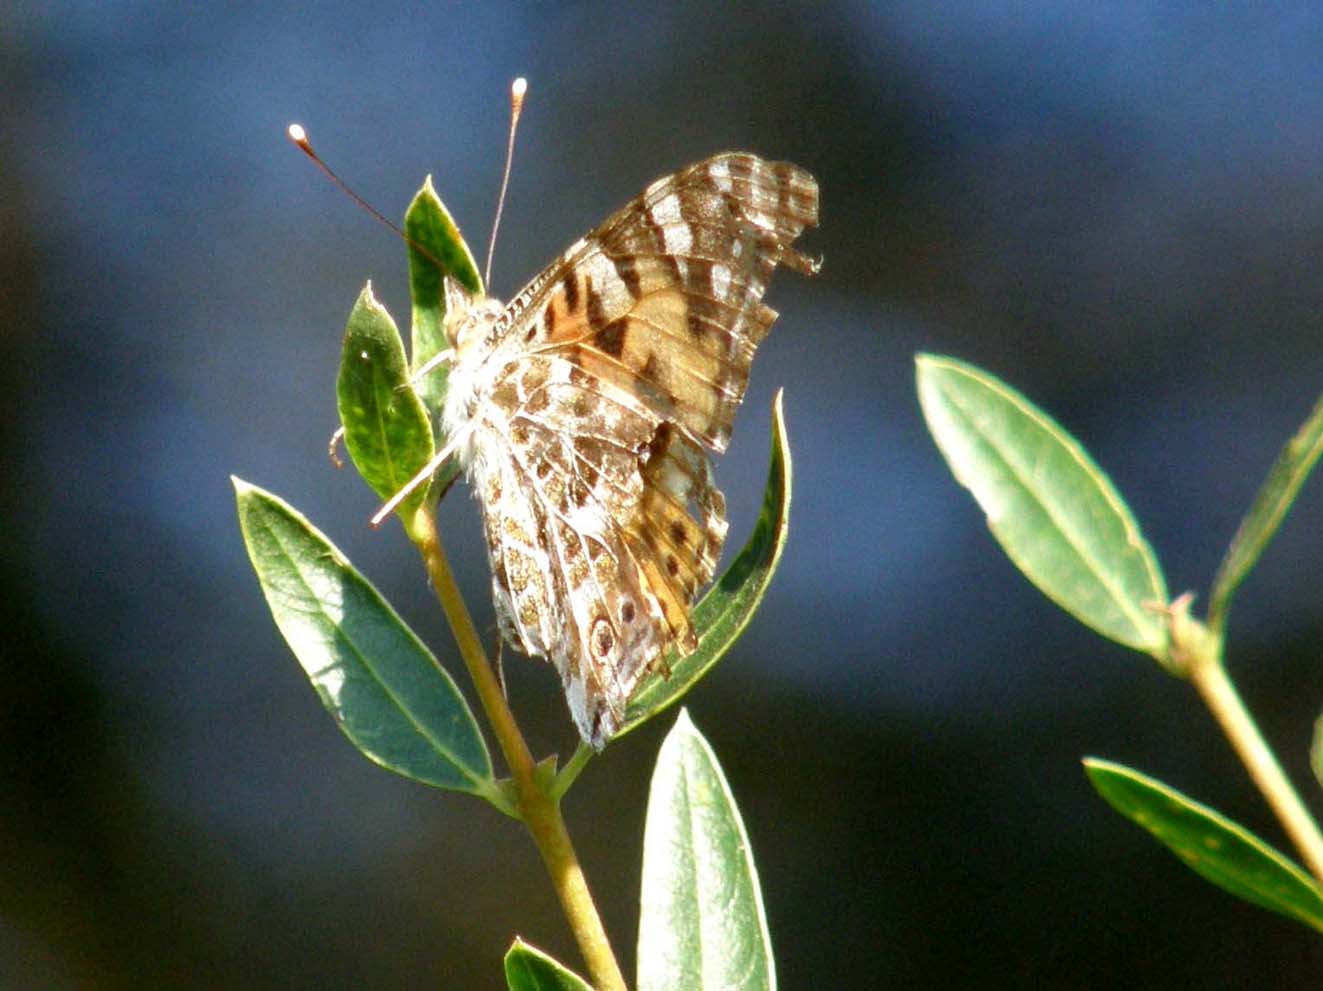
(665, 298)
(625, 359)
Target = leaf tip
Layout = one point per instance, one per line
(779, 419)
(1096, 767)
(925, 367)
(683, 735)
(683, 722)
(924, 360)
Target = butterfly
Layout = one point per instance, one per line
(582, 414)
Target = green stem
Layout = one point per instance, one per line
(573, 768)
(539, 810)
(1203, 660)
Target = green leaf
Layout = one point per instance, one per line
(387, 430)
(436, 249)
(375, 677)
(1053, 510)
(1211, 845)
(702, 924)
(726, 610)
(1270, 507)
(529, 969)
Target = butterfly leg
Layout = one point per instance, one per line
(333, 447)
(423, 476)
(438, 359)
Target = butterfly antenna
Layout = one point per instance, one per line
(517, 90)
(300, 138)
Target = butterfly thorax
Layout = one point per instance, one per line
(470, 326)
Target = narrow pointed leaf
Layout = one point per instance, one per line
(436, 249)
(381, 685)
(1210, 844)
(726, 610)
(1054, 512)
(529, 969)
(387, 430)
(702, 926)
(1270, 507)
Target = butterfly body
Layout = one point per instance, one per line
(582, 413)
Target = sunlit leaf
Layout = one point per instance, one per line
(1210, 844)
(702, 926)
(375, 677)
(387, 430)
(529, 969)
(726, 610)
(1053, 510)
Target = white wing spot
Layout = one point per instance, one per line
(666, 210)
(721, 281)
(678, 240)
(665, 213)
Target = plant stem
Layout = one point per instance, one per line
(1209, 675)
(539, 811)
(573, 767)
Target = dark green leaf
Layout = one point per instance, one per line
(1053, 510)
(436, 249)
(387, 430)
(1210, 844)
(529, 969)
(726, 610)
(702, 925)
(1271, 505)
(382, 686)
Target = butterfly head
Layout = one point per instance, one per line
(469, 316)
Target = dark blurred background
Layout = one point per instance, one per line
(1116, 207)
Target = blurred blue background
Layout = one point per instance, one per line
(1116, 207)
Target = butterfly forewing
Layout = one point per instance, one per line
(588, 404)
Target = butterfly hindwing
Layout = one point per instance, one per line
(573, 450)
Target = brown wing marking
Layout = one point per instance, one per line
(665, 298)
(678, 528)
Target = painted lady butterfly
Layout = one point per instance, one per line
(581, 410)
